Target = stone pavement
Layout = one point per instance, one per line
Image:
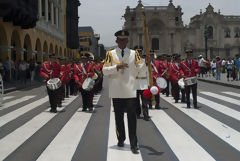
(223, 81)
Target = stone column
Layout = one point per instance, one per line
(46, 10)
(40, 8)
(57, 16)
(52, 13)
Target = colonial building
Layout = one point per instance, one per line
(167, 33)
(37, 40)
(88, 40)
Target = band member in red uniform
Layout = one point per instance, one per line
(51, 69)
(176, 74)
(72, 83)
(67, 77)
(156, 73)
(166, 73)
(190, 69)
(81, 72)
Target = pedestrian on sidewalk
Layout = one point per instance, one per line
(23, 71)
(32, 69)
(218, 68)
(229, 66)
(213, 67)
(237, 67)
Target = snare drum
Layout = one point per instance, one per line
(161, 82)
(54, 83)
(190, 81)
(88, 84)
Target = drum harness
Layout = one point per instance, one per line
(48, 71)
(175, 69)
(187, 68)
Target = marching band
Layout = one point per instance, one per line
(128, 76)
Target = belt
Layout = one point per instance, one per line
(141, 77)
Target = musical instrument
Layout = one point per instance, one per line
(161, 82)
(54, 83)
(190, 81)
(166, 73)
(181, 83)
(146, 38)
(88, 84)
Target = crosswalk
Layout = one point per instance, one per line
(184, 144)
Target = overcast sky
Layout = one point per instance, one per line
(105, 15)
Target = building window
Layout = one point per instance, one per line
(237, 32)
(227, 52)
(155, 44)
(227, 33)
(210, 32)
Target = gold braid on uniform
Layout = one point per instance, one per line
(137, 57)
(107, 59)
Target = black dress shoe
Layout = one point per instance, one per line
(195, 106)
(134, 150)
(157, 107)
(176, 101)
(188, 106)
(120, 144)
(90, 109)
(84, 109)
(53, 110)
(146, 118)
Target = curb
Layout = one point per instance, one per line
(219, 83)
(8, 90)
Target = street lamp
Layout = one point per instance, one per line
(206, 34)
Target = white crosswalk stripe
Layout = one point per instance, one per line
(220, 108)
(16, 113)
(226, 133)
(21, 134)
(66, 142)
(232, 94)
(183, 145)
(218, 96)
(7, 97)
(14, 102)
(115, 153)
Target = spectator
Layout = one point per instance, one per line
(2, 69)
(218, 68)
(32, 69)
(237, 67)
(201, 65)
(213, 66)
(223, 65)
(12, 69)
(7, 66)
(17, 70)
(229, 66)
(207, 67)
(23, 71)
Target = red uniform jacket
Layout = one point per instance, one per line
(65, 70)
(52, 71)
(79, 74)
(156, 71)
(165, 67)
(176, 73)
(190, 71)
(72, 67)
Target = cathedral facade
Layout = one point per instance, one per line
(168, 34)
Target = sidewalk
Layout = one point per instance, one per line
(223, 81)
(18, 85)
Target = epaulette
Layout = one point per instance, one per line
(108, 59)
(137, 57)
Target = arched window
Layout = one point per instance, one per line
(227, 33)
(155, 44)
(237, 32)
(210, 32)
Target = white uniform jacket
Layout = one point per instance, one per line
(122, 83)
(143, 77)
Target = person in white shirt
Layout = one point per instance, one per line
(121, 66)
(201, 65)
(143, 82)
(213, 67)
(23, 71)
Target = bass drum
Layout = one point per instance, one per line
(88, 84)
(161, 82)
